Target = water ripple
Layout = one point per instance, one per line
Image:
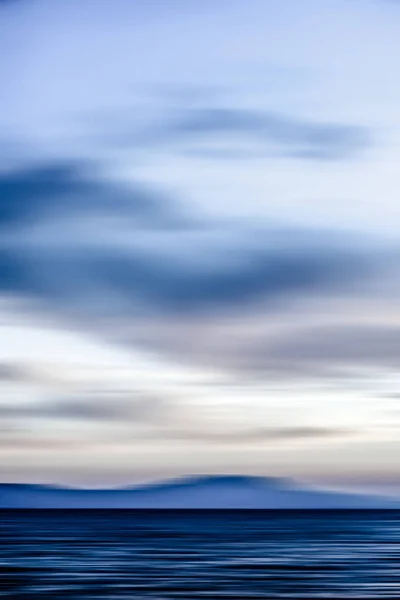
(233, 555)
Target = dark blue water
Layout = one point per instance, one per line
(140, 554)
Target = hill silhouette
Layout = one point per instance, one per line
(196, 492)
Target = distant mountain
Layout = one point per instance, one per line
(206, 492)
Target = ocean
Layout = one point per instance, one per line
(192, 554)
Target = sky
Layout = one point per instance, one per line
(199, 251)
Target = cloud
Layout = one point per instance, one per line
(101, 406)
(21, 441)
(366, 345)
(303, 351)
(258, 435)
(12, 373)
(31, 441)
(57, 190)
(150, 419)
(226, 132)
(127, 262)
(84, 243)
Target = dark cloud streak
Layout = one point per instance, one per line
(95, 239)
(260, 435)
(269, 133)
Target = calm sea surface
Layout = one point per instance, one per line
(141, 554)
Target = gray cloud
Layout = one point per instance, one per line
(84, 244)
(23, 439)
(13, 373)
(127, 262)
(242, 132)
(257, 435)
(367, 345)
(100, 406)
(340, 353)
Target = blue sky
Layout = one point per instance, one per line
(198, 240)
